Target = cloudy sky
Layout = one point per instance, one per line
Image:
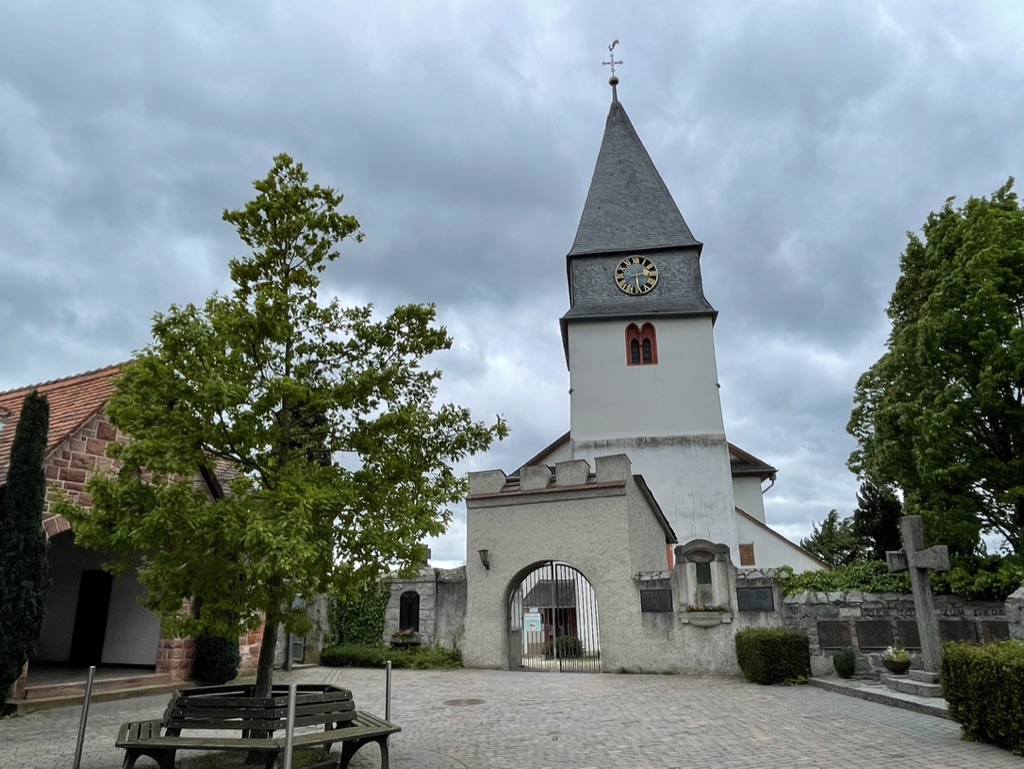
(801, 140)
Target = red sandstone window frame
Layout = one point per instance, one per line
(641, 345)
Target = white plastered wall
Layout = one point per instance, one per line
(772, 550)
(747, 493)
(667, 418)
(133, 631)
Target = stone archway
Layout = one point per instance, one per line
(553, 620)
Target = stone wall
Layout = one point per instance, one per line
(69, 466)
(869, 622)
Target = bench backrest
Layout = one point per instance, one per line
(235, 708)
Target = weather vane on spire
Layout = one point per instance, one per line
(611, 60)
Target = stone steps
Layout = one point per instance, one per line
(99, 685)
(910, 685)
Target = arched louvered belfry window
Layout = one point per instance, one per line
(409, 611)
(641, 345)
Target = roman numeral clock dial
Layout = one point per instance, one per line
(636, 275)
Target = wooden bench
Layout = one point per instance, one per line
(255, 720)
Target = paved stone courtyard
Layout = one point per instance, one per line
(571, 721)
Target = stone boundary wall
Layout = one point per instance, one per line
(869, 622)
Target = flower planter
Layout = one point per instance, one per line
(899, 667)
(705, 618)
(404, 644)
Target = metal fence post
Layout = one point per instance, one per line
(387, 692)
(85, 717)
(289, 730)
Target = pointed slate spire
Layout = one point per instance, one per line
(628, 207)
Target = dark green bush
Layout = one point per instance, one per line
(568, 647)
(365, 656)
(773, 655)
(216, 661)
(845, 662)
(984, 686)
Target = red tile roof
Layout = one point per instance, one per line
(73, 401)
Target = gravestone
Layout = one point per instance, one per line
(957, 630)
(874, 634)
(833, 634)
(909, 638)
(918, 561)
(993, 630)
(755, 599)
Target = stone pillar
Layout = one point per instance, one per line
(1015, 614)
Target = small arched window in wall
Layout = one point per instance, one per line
(409, 611)
(641, 345)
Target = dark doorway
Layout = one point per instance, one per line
(91, 618)
(409, 611)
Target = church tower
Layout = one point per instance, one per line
(639, 341)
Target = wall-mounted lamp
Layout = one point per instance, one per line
(485, 558)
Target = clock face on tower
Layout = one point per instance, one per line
(636, 275)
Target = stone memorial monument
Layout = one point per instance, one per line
(918, 561)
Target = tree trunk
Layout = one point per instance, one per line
(265, 665)
(264, 680)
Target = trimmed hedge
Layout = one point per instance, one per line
(984, 686)
(364, 656)
(216, 660)
(773, 655)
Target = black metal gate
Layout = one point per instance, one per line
(553, 624)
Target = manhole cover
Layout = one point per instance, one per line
(459, 703)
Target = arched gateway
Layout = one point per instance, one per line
(553, 621)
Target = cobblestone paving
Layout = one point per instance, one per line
(571, 721)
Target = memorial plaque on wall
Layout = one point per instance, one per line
(957, 630)
(994, 631)
(755, 599)
(833, 634)
(874, 634)
(656, 600)
(909, 638)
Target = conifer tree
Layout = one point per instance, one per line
(23, 572)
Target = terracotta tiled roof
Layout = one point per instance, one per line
(73, 401)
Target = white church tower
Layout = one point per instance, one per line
(639, 342)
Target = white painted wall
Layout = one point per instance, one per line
(690, 478)
(746, 491)
(132, 631)
(667, 418)
(772, 550)
(678, 396)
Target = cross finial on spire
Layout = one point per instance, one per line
(611, 60)
(613, 80)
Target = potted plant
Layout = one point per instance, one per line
(896, 660)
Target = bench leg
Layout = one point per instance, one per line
(350, 748)
(164, 757)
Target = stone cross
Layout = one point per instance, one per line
(915, 559)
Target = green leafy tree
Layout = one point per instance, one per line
(326, 415)
(876, 520)
(23, 572)
(940, 415)
(835, 542)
